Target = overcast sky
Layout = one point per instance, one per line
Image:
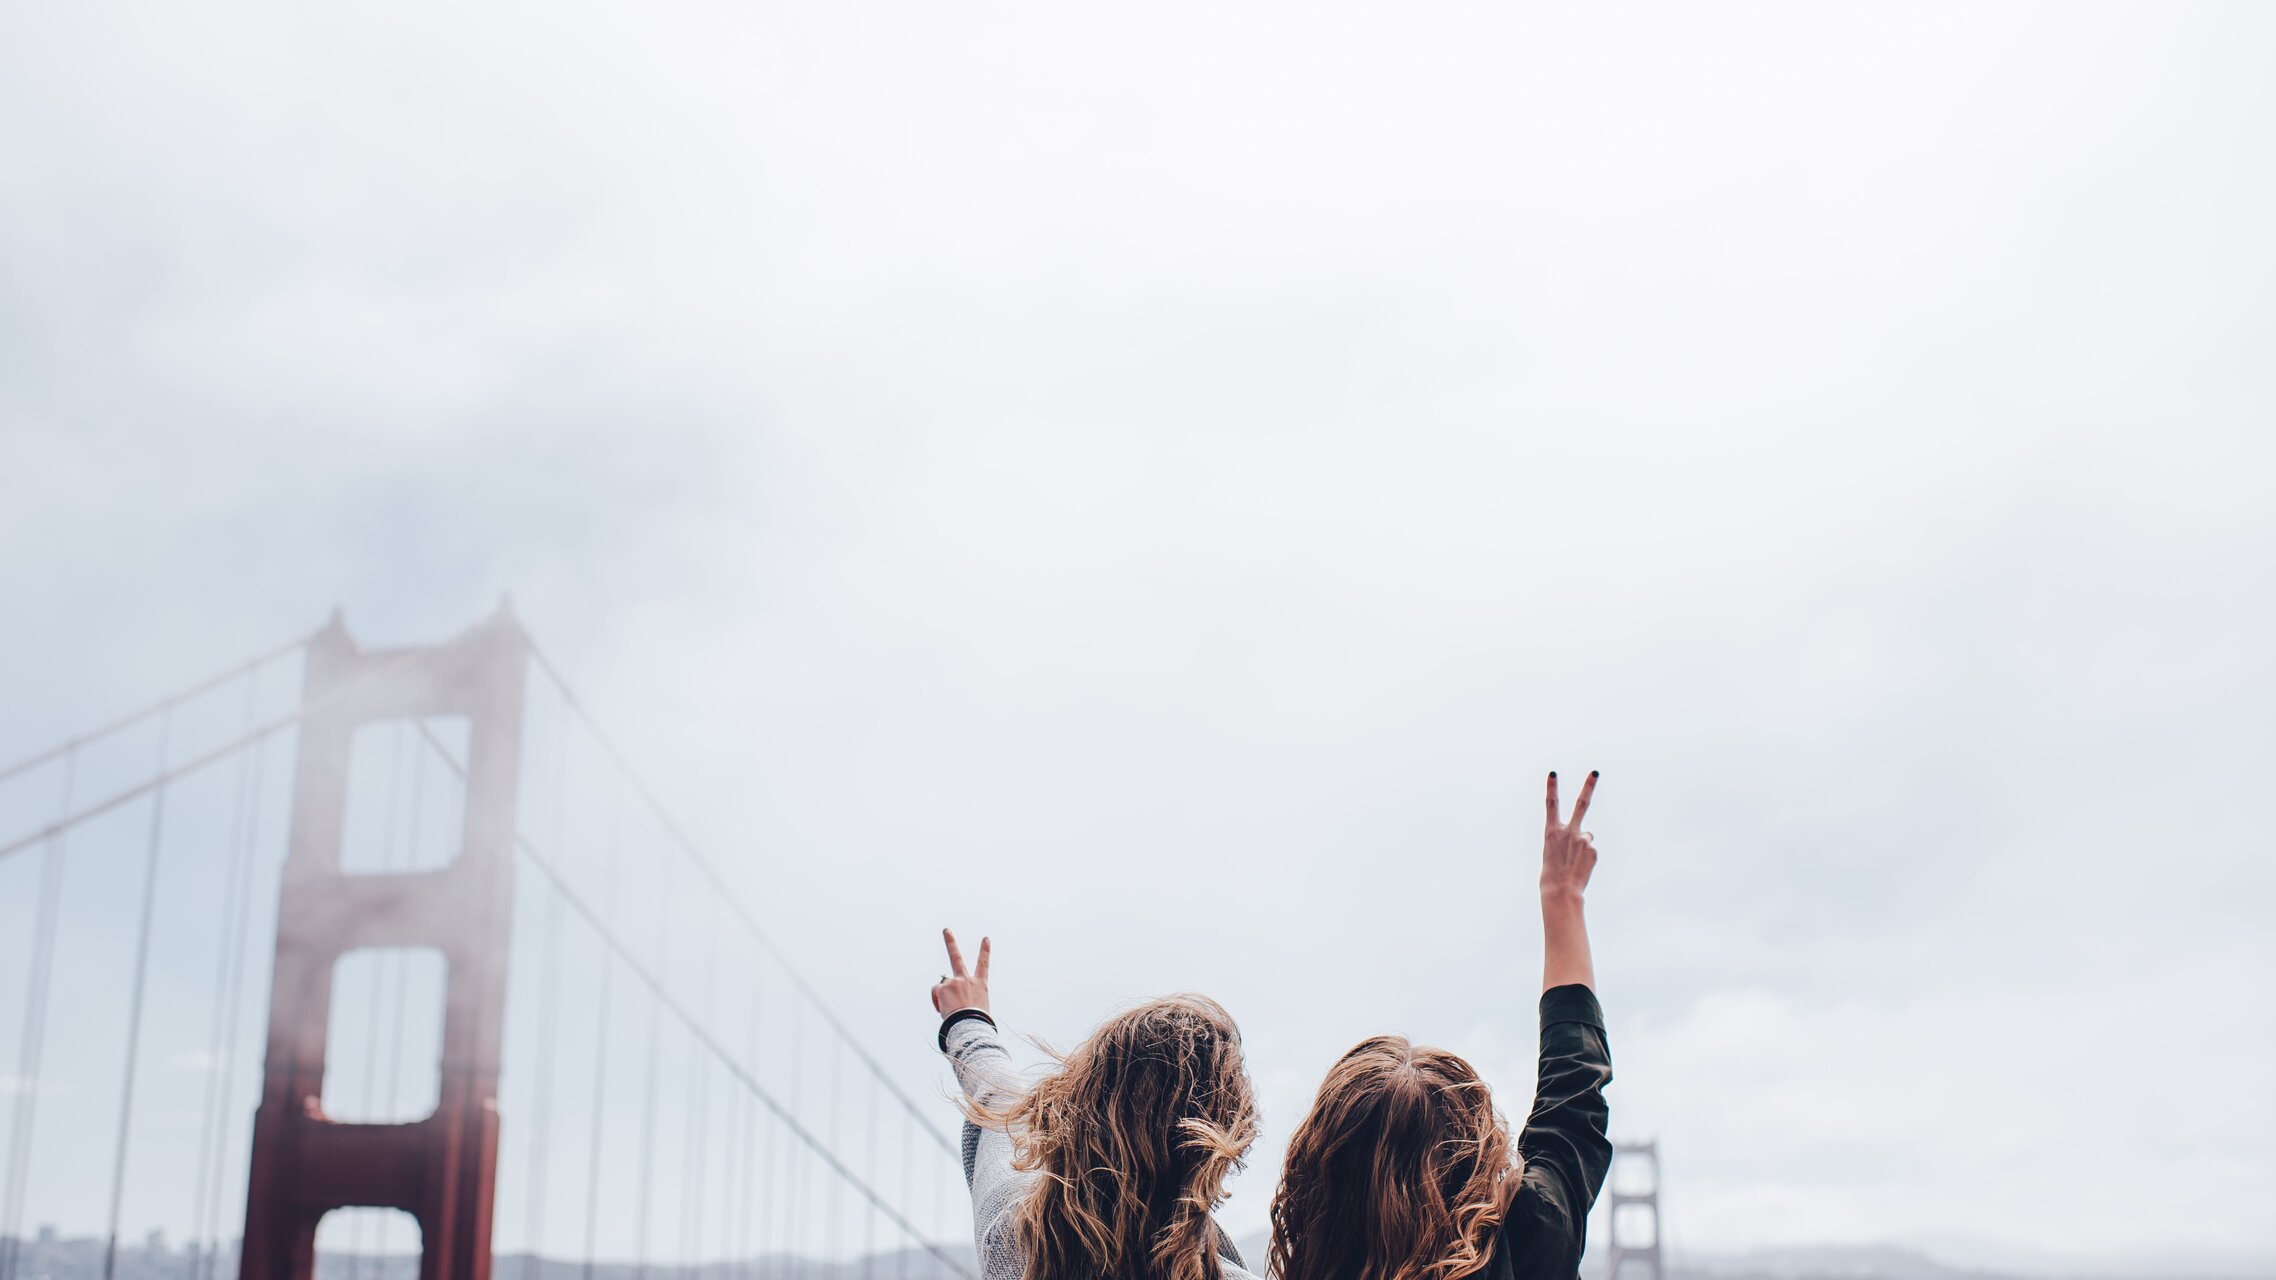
(1160, 486)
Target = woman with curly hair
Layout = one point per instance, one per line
(1404, 1170)
(1107, 1168)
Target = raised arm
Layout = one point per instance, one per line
(1564, 1145)
(984, 1071)
(968, 1032)
(1568, 855)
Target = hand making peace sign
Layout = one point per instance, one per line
(958, 989)
(1568, 854)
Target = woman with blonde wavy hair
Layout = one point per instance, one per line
(1108, 1167)
(1404, 1170)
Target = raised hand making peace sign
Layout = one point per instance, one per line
(958, 989)
(1568, 855)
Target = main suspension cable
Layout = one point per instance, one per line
(155, 709)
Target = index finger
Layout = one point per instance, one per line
(982, 971)
(1552, 797)
(1580, 806)
(955, 957)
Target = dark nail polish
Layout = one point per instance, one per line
(1592, 773)
(1552, 775)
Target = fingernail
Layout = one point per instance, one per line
(1592, 773)
(1552, 775)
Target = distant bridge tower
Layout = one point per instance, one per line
(443, 1169)
(1633, 1249)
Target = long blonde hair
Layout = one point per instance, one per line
(1402, 1171)
(1134, 1135)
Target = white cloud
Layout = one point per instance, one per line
(1156, 487)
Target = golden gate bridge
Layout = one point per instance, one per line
(508, 997)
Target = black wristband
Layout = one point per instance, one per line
(959, 1016)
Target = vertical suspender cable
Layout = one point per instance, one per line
(134, 1002)
(940, 1200)
(26, 1109)
(772, 1188)
(794, 1186)
(687, 1146)
(751, 1133)
(698, 1154)
(831, 1235)
(601, 1044)
(648, 1086)
(648, 1135)
(730, 1179)
(226, 1071)
(908, 1192)
(542, 1104)
(549, 999)
(687, 1150)
(200, 1180)
(869, 1175)
(801, 1225)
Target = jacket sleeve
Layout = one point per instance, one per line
(984, 1071)
(1566, 1152)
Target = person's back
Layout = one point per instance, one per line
(1107, 1168)
(1403, 1170)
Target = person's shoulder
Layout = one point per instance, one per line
(1499, 1265)
(1233, 1268)
(1229, 1257)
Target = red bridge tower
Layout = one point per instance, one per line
(442, 1169)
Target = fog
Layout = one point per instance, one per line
(1158, 488)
